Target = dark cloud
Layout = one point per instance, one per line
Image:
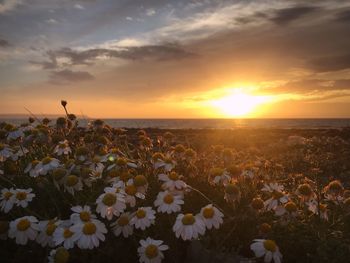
(88, 57)
(343, 16)
(330, 63)
(4, 43)
(67, 76)
(287, 15)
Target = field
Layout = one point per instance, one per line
(100, 194)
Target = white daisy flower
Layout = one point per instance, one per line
(277, 196)
(5, 152)
(317, 208)
(110, 203)
(62, 148)
(151, 251)
(141, 183)
(58, 255)
(20, 152)
(211, 216)
(81, 214)
(7, 199)
(272, 187)
(47, 164)
(167, 164)
(14, 134)
(266, 248)
(172, 181)
(143, 218)
(47, 229)
(23, 196)
(33, 168)
(189, 226)
(123, 226)
(24, 228)
(168, 203)
(87, 235)
(72, 183)
(64, 235)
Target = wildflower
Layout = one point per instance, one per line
(88, 234)
(257, 203)
(23, 196)
(47, 164)
(232, 193)
(33, 169)
(172, 181)
(266, 248)
(81, 214)
(189, 226)
(289, 208)
(167, 163)
(318, 208)
(334, 191)
(7, 199)
(304, 191)
(59, 255)
(47, 229)
(143, 218)
(5, 152)
(219, 176)
(123, 226)
(24, 228)
(277, 195)
(62, 148)
(82, 153)
(64, 235)
(168, 203)
(211, 216)
(72, 183)
(151, 251)
(265, 228)
(14, 134)
(110, 203)
(19, 152)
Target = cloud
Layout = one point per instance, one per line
(4, 43)
(150, 12)
(330, 63)
(287, 15)
(67, 76)
(78, 6)
(8, 5)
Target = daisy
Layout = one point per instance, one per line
(24, 228)
(5, 152)
(14, 134)
(289, 208)
(33, 169)
(62, 148)
(140, 181)
(143, 218)
(47, 164)
(123, 226)
(189, 226)
(232, 193)
(277, 195)
(167, 164)
(211, 216)
(81, 214)
(20, 152)
(305, 192)
(110, 203)
(47, 229)
(23, 196)
(317, 208)
(88, 234)
(266, 248)
(172, 181)
(168, 203)
(219, 176)
(151, 251)
(7, 199)
(73, 183)
(58, 255)
(64, 235)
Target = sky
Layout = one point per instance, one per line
(176, 59)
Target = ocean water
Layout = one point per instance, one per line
(217, 123)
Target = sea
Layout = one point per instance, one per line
(215, 123)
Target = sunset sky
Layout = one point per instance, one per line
(176, 59)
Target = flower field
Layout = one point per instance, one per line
(101, 194)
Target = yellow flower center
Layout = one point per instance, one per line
(50, 229)
(121, 161)
(34, 163)
(270, 245)
(305, 189)
(89, 228)
(168, 199)
(323, 208)
(62, 145)
(140, 213)
(59, 173)
(72, 180)
(140, 180)
(130, 189)
(258, 203)
(188, 219)
(123, 220)
(173, 176)
(46, 160)
(232, 189)
(265, 228)
(208, 212)
(23, 225)
(61, 256)
(125, 176)
(21, 196)
(67, 233)
(151, 251)
(277, 194)
(291, 207)
(7, 195)
(109, 199)
(85, 216)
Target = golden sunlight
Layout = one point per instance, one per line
(239, 103)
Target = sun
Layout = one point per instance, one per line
(239, 104)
